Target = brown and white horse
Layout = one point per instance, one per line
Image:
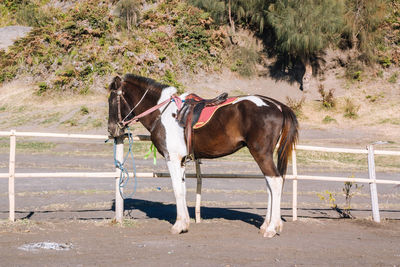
(257, 122)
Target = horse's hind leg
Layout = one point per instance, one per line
(273, 222)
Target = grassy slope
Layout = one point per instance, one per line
(80, 43)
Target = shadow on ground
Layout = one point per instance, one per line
(167, 212)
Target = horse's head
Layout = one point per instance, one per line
(116, 110)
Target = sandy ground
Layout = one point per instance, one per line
(77, 214)
(217, 242)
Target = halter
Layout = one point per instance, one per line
(123, 122)
(120, 95)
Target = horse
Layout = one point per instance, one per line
(258, 122)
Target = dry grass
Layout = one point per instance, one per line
(23, 107)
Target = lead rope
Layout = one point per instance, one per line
(124, 175)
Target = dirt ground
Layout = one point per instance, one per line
(216, 242)
(77, 214)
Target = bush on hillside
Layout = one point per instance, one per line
(84, 42)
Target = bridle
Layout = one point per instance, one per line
(124, 122)
(120, 95)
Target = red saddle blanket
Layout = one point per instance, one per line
(207, 113)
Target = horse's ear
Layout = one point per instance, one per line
(115, 84)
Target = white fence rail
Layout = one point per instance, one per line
(11, 175)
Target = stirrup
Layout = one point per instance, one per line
(187, 159)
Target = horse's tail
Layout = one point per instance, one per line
(288, 140)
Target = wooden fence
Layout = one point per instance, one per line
(11, 175)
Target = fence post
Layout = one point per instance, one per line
(198, 192)
(372, 185)
(11, 177)
(294, 200)
(119, 201)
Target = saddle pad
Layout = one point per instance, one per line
(208, 112)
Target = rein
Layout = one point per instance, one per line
(122, 123)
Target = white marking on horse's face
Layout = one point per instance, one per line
(256, 100)
(174, 134)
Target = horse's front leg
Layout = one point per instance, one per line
(177, 173)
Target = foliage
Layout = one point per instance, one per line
(374, 98)
(84, 110)
(301, 29)
(128, 13)
(328, 119)
(349, 194)
(328, 197)
(83, 42)
(42, 88)
(328, 100)
(304, 28)
(31, 14)
(296, 105)
(216, 9)
(244, 60)
(363, 21)
(243, 12)
(393, 78)
(354, 71)
(350, 109)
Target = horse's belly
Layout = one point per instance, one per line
(210, 146)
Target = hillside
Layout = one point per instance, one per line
(54, 78)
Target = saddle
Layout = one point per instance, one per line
(190, 112)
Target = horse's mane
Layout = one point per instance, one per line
(144, 82)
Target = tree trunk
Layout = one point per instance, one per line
(305, 84)
(231, 22)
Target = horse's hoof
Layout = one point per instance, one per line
(270, 234)
(279, 227)
(178, 231)
(263, 228)
(179, 228)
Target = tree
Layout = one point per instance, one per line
(363, 18)
(303, 28)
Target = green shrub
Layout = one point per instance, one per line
(170, 79)
(328, 100)
(296, 105)
(354, 71)
(393, 77)
(374, 98)
(43, 87)
(385, 61)
(245, 60)
(328, 119)
(128, 13)
(30, 14)
(350, 109)
(80, 43)
(84, 110)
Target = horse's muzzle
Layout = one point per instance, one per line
(116, 131)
